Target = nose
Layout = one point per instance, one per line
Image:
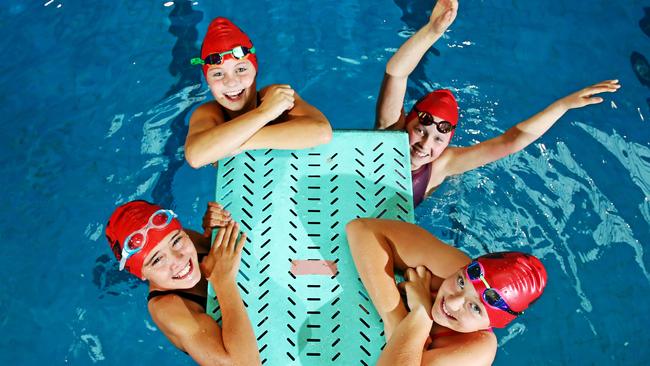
(427, 142)
(455, 301)
(178, 260)
(230, 79)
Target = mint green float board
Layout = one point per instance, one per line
(294, 205)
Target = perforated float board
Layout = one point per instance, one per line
(294, 206)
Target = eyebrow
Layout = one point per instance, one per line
(157, 251)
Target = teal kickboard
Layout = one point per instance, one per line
(294, 205)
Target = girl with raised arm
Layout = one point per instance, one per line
(431, 123)
(150, 243)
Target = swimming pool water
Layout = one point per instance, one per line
(95, 100)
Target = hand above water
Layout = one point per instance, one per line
(417, 288)
(276, 100)
(215, 216)
(222, 262)
(587, 96)
(443, 14)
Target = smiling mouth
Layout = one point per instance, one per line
(234, 96)
(419, 153)
(185, 272)
(444, 310)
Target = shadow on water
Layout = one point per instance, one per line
(640, 64)
(184, 19)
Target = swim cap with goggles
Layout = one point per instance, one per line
(224, 40)
(134, 229)
(507, 283)
(440, 103)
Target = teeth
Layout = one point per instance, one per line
(184, 271)
(444, 309)
(234, 94)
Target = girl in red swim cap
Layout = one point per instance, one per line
(240, 118)
(434, 118)
(149, 242)
(452, 301)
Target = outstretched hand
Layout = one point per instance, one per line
(443, 14)
(222, 263)
(587, 96)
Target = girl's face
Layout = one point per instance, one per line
(458, 306)
(173, 263)
(232, 83)
(427, 143)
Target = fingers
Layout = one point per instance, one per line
(240, 243)
(410, 274)
(232, 240)
(215, 216)
(598, 89)
(222, 235)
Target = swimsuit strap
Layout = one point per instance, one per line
(201, 300)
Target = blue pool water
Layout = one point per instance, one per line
(94, 107)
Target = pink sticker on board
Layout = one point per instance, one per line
(308, 267)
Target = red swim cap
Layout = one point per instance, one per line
(440, 103)
(131, 217)
(223, 35)
(520, 279)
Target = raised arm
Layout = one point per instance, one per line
(210, 139)
(220, 267)
(390, 104)
(457, 160)
(197, 333)
(379, 246)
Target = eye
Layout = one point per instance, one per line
(460, 282)
(216, 74)
(241, 69)
(177, 242)
(475, 309)
(438, 139)
(157, 260)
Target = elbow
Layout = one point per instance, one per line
(353, 228)
(192, 159)
(325, 135)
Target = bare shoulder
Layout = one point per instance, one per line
(172, 312)
(476, 348)
(209, 113)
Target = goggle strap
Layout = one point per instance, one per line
(197, 61)
(123, 261)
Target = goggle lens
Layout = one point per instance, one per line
(428, 120)
(161, 219)
(135, 241)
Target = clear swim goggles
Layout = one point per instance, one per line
(136, 240)
(238, 52)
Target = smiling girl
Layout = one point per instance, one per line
(150, 243)
(453, 301)
(240, 118)
(431, 123)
